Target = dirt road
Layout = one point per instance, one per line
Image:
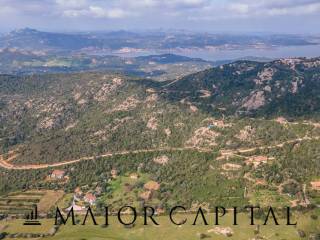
(7, 163)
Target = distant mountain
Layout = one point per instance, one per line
(32, 39)
(9, 55)
(158, 67)
(256, 59)
(168, 58)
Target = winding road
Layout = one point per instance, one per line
(7, 163)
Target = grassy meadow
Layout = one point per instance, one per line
(166, 230)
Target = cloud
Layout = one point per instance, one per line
(239, 8)
(96, 12)
(100, 12)
(6, 11)
(89, 9)
(197, 9)
(74, 13)
(162, 5)
(307, 9)
(186, 3)
(267, 8)
(159, 13)
(71, 4)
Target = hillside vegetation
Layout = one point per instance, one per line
(247, 131)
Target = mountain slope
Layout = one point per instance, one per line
(171, 132)
(283, 87)
(109, 111)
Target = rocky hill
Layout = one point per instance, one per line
(283, 87)
(247, 131)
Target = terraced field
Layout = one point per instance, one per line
(20, 203)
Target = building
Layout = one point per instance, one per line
(90, 198)
(58, 174)
(78, 192)
(134, 176)
(152, 186)
(315, 185)
(147, 195)
(257, 160)
(160, 211)
(98, 190)
(75, 207)
(114, 173)
(281, 120)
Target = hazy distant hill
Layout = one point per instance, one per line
(169, 58)
(32, 39)
(158, 67)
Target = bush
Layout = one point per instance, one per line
(314, 236)
(301, 233)
(201, 235)
(3, 235)
(314, 217)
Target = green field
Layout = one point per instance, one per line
(166, 230)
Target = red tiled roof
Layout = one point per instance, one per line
(90, 197)
(58, 172)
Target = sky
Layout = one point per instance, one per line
(276, 16)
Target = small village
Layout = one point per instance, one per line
(82, 197)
